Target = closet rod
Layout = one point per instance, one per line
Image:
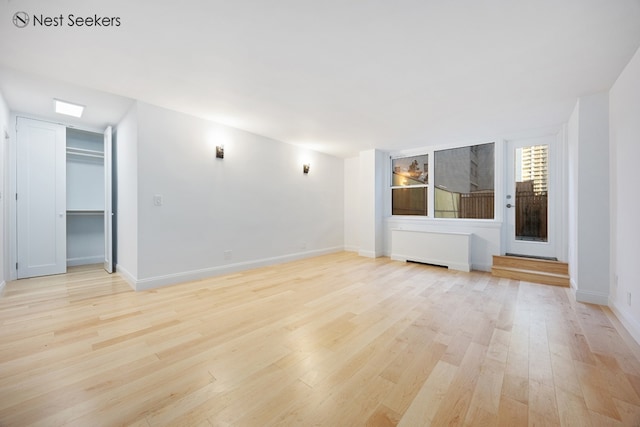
(74, 153)
(83, 150)
(86, 155)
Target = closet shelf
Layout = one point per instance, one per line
(84, 152)
(85, 212)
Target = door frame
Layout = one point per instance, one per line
(13, 174)
(108, 199)
(557, 205)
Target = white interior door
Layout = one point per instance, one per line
(41, 198)
(531, 197)
(108, 214)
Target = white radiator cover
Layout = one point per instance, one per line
(449, 249)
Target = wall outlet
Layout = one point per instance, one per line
(629, 298)
(227, 254)
(157, 200)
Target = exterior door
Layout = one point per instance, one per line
(530, 205)
(108, 209)
(41, 198)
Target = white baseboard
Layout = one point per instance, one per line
(187, 276)
(128, 277)
(368, 254)
(630, 324)
(589, 297)
(481, 267)
(72, 262)
(349, 248)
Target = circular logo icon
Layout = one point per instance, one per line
(21, 19)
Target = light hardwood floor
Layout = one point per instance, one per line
(337, 340)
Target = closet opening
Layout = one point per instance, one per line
(85, 181)
(64, 198)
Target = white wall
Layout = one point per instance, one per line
(4, 187)
(589, 198)
(624, 101)
(254, 207)
(351, 200)
(593, 199)
(572, 193)
(371, 203)
(126, 163)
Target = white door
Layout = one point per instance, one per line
(108, 214)
(531, 197)
(41, 198)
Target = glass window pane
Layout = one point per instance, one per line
(532, 192)
(409, 201)
(410, 170)
(464, 182)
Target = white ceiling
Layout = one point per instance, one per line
(336, 76)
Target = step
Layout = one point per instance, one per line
(531, 276)
(532, 264)
(531, 270)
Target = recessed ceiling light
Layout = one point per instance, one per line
(68, 108)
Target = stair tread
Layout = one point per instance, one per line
(556, 267)
(537, 260)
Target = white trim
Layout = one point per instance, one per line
(128, 277)
(462, 222)
(592, 297)
(481, 267)
(72, 262)
(350, 248)
(62, 122)
(368, 254)
(630, 324)
(187, 276)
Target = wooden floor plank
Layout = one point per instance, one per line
(333, 340)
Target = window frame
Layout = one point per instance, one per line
(498, 177)
(397, 187)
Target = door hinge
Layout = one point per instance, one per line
(16, 196)
(16, 265)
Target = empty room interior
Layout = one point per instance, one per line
(295, 213)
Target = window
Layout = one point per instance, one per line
(464, 182)
(409, 185)
(462, 185)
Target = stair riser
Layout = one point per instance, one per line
(529, 276)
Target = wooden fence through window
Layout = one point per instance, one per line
(479, 205)
(531, 216)
(530, 208)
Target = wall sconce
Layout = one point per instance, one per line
(220, 152)
(305, 168)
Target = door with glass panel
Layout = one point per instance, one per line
(530, 205)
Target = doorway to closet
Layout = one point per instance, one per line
(63, 198)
